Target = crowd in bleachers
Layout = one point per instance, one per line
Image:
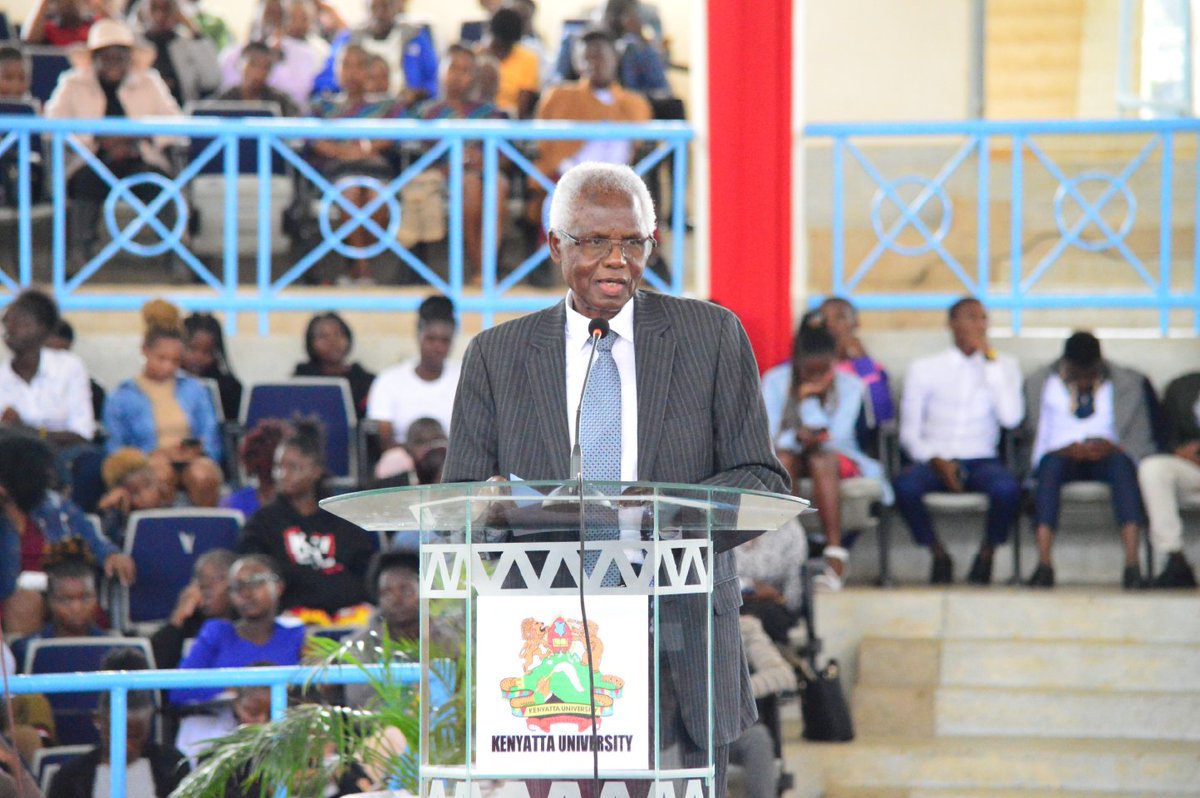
(972, 433)
(156, 517)
(165, 58)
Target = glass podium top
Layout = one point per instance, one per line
(530, 507)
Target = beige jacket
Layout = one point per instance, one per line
(143, 94)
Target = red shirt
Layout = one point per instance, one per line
(33, 546)
(58, 36)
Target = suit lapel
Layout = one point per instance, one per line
(546, 368)
(654, 347)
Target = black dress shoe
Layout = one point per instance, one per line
(1177, 573)
(1131, 578)
(1043, 576)
(942, 572)
(981, 571)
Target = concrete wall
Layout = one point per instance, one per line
(870, 60)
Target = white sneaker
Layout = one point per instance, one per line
(827, 582)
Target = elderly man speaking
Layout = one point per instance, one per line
(681, 388)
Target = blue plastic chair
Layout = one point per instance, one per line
(165, 545)
(327, 399)
(73, 712)
(46, 63)
(46, 761)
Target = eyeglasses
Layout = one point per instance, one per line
(251, 582)
(632, 249)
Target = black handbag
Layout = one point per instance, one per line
(823, 703)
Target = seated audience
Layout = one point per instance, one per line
(328, 341)
(35, 521)
(405, 43)
(841, 319)
(393, 582)
(62, 339)
(519, 67)
(257, 455)
(362, 158)
(1166, 479)
(596, 97)
(951, 413)
(111, 78)
(422, 386)
(17, 746)
(813, 410)
(48, 393)
(641, 67)
(256, 62)
(531, 41)
(322, 558)
(71, 599)
(151, 770)
(379, 77)
(257, 637)
(419, 461)
(1091, 422)
(768, 568)
(164, 410)
(133, 485)
(770, 675)
(61, 23)
(204, 357)
(185, 58)
(205, 597)
(458, 100)
(14, 88)
(298, 55)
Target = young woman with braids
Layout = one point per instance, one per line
(204, 357)
(164, 411)
(322, 558)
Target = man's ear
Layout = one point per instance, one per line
(555, 244)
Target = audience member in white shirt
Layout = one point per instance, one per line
(48, 392)
(1092, 422)
(952, 410)
(422, 386)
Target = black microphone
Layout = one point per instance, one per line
(597, 329)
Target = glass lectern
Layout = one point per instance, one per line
(502, 575)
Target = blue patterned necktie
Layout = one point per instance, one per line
(600, 444)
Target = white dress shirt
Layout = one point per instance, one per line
(1058, 426)
(579, 346)
(58, 398)
(953, 405)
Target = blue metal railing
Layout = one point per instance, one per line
(274, 141)
(118, 684)
(1085, 195)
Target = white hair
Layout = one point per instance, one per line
(603, 178)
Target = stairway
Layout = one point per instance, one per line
(1004, 693)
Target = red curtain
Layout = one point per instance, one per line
(750, 157)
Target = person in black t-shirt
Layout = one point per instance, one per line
(323, 558)
(328, 341)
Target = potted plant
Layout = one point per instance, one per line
(314, 742)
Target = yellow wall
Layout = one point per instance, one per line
(873, 60)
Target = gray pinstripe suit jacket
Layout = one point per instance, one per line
(700, 420)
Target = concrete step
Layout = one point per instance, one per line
(1064, 664)
(1007, 766)
(973, 711)
(923, 712)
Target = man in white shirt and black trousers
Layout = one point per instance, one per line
(951, 412)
